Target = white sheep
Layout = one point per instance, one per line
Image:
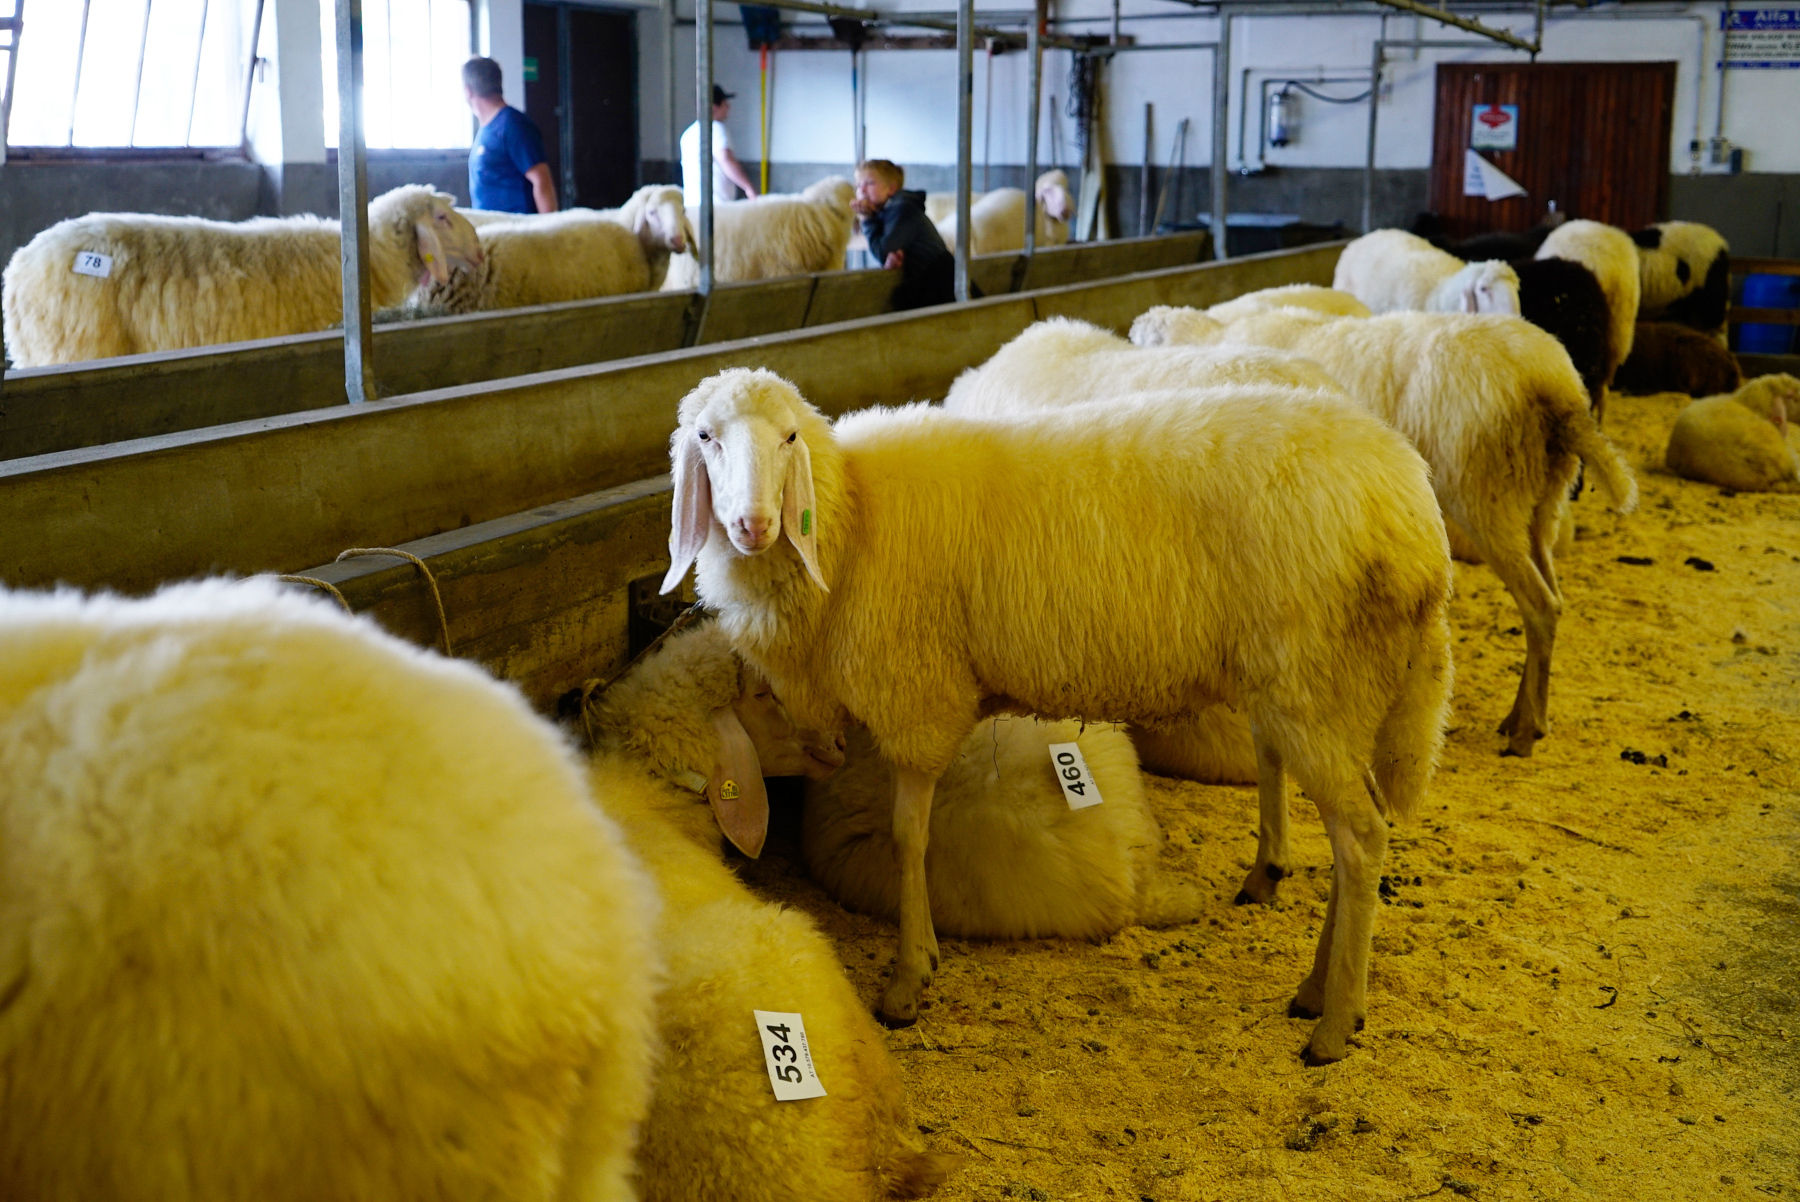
(683, 727)
(292, 910)
(1390, 270)
(773, 236)
(942, 536)
(1684, 272)
(1739, 440)
(1289, 296)
(151, 283)
(1064, 360)
(1007, 856)
(1176, 325)
(1498, 411)
(997, 218)
(1608, 252)
(576, 254)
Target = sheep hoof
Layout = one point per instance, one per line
(900, 1005)
(1300, 1009)
(1260, 886)
(1324, 1048)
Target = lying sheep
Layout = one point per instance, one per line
(1390, 270)
(1739, 441)
(959, 532)
(1007, 857)
(1670, 357)
(1290, 296)
(676, 731)
(1685, 271)
(1496, 408)
(577, 254)
(291, 910)
(997, 218)
(773, 236)
(1064, 360)
(1608, 253)
(164, 283)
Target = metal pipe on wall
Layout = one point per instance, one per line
(669, 88)
(1034, 55)
(353, 206)
(1221, 133)
(703, 78)
(965, 149)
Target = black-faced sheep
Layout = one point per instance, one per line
(1685, 272)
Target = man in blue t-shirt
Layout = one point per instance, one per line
(507, 169)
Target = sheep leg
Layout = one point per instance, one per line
(1539, 607)
(1272, 856)
(1338, 984)
(918, 957)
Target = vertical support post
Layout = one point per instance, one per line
(1034, 54)
(353, 205)
(1144, 178)
(1368, 213)
(565, 110)
(703, 81)
(965, 140)
(250, 75)
(74, 83)
(669, 89)
(12, 63)
(1217, 173)
(187, 130)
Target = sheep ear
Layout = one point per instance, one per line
(691, 519)
(431, 249)
(1779, 414)
(740, 802)
(1471, 298)
(799, 511)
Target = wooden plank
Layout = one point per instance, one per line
(1114, 304)
(849, 295)
(749, 309)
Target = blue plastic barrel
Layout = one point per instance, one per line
(1764, 291)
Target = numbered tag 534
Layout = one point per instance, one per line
(788, 1056)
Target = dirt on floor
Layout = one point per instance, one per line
(1585, 969)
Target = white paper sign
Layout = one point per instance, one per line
(88, 262)
(1078, 786)
(1482, 178)
(787, 1056)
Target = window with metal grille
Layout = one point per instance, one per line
(136, 74)
(413, 52)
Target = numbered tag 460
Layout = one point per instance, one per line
(1072, 774)
(92, 263)
(787, 1056)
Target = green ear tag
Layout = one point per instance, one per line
(805, 522)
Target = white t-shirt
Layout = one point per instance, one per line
(723, 188)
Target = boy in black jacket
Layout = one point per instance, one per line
(902, 237)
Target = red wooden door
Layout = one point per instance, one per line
(1593, 137)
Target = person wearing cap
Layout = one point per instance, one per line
(508, 172)
(727, 170)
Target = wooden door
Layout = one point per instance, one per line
(1593, 137)
(602, 105)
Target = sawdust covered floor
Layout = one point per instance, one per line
(1584, 979)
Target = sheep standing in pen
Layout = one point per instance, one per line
(1007, 857)
(1669, 357)
(572, 255)
(774, 236)
(1290, 296)
(292, 910)
(148, 283)
(682, 727)
(1390, 270)
(1564, 299)
(997, 218)
(1739, 441)
(881, 571)
(1685, 272)
(1496, 408)
(1608, 253)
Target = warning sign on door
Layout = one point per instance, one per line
(1496, 127)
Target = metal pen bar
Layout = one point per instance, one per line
(669, 84)
(137, 81)
(250, 74)
(75, 86)
(703, 78)
(1034, 54)
(353, 206)
(199, 54)
(965, 121)
(16, 27)
(875, 16)
(1221, 99)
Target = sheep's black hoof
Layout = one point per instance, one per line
(1274, 871)
(1296, 1010)
(895, 1024)
(1243, 898)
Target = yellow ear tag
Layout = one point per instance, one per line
(728, 790)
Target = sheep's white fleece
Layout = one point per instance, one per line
(1390, 270)
(1500, 414)
(1609, 253)
(177, 282)
(942, 536)
(1290, 296)
(1007, 858)
(997, 218)
(773, 236)
(715, 1132)
(1740, 440)
(291, 910)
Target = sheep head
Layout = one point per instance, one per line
(742, 467)
(1175, 325)
(443, 239)
(1773, 397)
(1053, 195)
(1488, 287)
